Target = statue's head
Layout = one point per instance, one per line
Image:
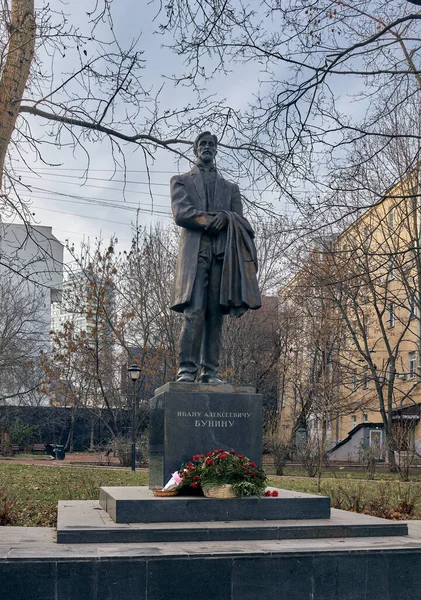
(205, 147)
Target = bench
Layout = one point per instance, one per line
(38, 449)
(15, 448)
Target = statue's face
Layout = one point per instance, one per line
(206, 149)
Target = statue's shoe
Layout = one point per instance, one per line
(211, 379)
(186, 378)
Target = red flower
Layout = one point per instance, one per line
(209, 462)
(275, 493)
(209, 454)
(196, 478)
(194, 484)
(232, 452)
(252, 464)
(241, 456)
(182, 474)
(191, 467)
(223, 456)
(196, 457)
(267, 493)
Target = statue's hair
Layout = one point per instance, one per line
(196, 141)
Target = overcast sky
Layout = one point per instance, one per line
(61, 198)
(79, 209)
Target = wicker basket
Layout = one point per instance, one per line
(164, 493)
(219, 491)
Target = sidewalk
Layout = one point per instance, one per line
(71, 459)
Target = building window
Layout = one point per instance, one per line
(411, 308)
(391, 314)
(391, 218)
(366, 327)
(366, 238)
(354, 421)
(392, 268)
(365, 379)
(414, 201)
(412, 363)
(354, 380)
(376, 438)
(365, 417)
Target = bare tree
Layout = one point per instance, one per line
(151, 329)
(115, 312)
(87, 86)
(22, 339)
(311, 397)
(331, 75)
(83, 369)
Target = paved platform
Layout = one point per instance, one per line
(34, 567)
(40, 543)
(85, 521)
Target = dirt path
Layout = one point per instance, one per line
(75, 459)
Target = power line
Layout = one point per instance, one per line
(95, 201)
(53, 171)
(97, 179)
(76, 199)
(22, 170)
(61, 212)
(97, 187)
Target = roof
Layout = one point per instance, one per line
(353, 431)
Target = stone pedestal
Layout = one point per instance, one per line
(138, 505)
(194, 418)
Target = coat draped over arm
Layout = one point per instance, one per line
(239, 287)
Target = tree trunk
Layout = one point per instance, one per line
(390, 448)
(15, 70)
(69, 442)
(92, 436)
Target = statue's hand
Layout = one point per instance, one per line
(218, 223)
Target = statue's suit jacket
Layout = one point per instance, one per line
(188, 203)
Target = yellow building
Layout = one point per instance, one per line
(356, 330)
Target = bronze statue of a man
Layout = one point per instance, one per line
(216, 265)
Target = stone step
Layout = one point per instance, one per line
(139, 505)
(85, 522)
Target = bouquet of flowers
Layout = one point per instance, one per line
(221, 468)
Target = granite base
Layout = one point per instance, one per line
(85, 522)
(194, 418)
(139, 505)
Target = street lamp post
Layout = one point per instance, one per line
(134, 373)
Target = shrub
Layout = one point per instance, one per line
(370, 456)
(281, 451)
(24, 435)
(387, 499)
(308, 453)
(121, 446)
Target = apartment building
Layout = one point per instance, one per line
(31, 273)
(353, 362)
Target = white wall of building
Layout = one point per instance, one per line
(35, 254)
(31, 266)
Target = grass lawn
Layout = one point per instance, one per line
(382, 498)
(344, 472)
(29, 493)
(33, 491)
